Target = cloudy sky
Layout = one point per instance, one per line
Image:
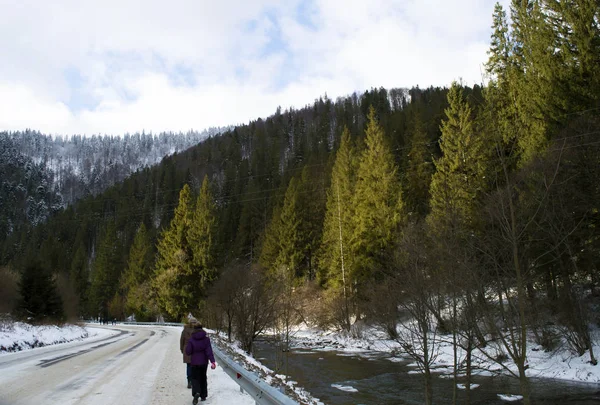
(116, 66)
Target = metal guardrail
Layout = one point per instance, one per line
(256, 387)
(251, 383)
(152, 323)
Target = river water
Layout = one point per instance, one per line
(374, 379)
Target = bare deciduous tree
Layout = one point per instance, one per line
(254, 306)
(412, 276)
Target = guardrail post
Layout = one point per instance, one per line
(251, 383)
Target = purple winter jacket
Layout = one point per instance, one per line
(199, 348)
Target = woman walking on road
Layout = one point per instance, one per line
(186, 334)
(200, 350)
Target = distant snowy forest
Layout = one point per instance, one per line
(42, 174)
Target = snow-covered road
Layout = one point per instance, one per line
(126, 365)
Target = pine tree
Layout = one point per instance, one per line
(290, 254)
(174, 262)
(250, 226)
(201, 238)
(535, 78)
(79, 275)
(499, 52)
(503, 72)
(282, 250)
(574, 30)
(334, 253)
(311, 206)
(270, 248)
(136, 279)
(106, 271)
(335, 258)
(39, 300)
(419, 169)
(378, 203)
(460, 175)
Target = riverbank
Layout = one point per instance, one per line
(559, 364)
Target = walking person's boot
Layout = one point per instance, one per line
(195, 401)
(189, 383)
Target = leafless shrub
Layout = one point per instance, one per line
(327, 310)
(247, 302)
(384, 300)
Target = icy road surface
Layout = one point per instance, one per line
(125, 364)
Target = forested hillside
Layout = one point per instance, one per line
(472, 212)
(42, 174)
(248, 167)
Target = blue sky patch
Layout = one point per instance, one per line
(305, 14)
(79, 97)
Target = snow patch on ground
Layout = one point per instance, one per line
(464, 387)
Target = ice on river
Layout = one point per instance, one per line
(347, 388)
(510, 398)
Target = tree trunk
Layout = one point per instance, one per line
(524, 384)
(229, 327)
(454, 352)
(428, 387)
(468, 371)
(346, 306)
(521, 285)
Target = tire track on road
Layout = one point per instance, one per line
(55, 360)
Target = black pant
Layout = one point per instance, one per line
(199, 380)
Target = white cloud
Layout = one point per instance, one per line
(21, 108)
(193, 64)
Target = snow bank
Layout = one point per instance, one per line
(17, 336)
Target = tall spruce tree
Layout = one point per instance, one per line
(250, 225)
(174, 264)
(419, 169)
(532, 78)
(136, 280)
(573, 30)
(335, 260)
(201, 237)
(378, 204)
(460, 176)
(502, 91)
(269, 250)
(39, 299)
(311, 204)
(499, 52)
(79, 276)
(282, 250)
(106, 271)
